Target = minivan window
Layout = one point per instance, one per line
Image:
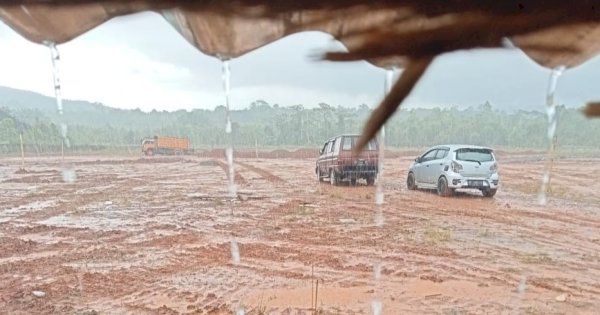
(474, 154)
(347, 143)
(332, 144)
(336, 146)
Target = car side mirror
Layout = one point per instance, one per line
(418, 159)
(320, 151)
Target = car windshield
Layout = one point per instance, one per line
(474, 154)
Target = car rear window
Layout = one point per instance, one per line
(474, 154)
(349, 143)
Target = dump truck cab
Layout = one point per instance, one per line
(148, 146)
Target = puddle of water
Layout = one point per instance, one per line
(151, 258)
(93, 223)
(44, 238)
(12, 213)
(31, 256)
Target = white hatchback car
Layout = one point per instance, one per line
(450, 167)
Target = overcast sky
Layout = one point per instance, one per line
(140, 61)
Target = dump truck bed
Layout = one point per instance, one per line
(172, 143)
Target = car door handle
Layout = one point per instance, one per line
(427, 165)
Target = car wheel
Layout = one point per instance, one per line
(442, 187)
(353, 181)
(488, 192)
(332, 177)
(410, 182)
(370, 180)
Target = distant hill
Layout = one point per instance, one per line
(28, 105)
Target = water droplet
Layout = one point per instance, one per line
(231, 188)
(522, 285)
(376, 271)
(379, 219)
(228, 126)
(379, 195)
(69, 175)
(376, 307)
(226, 77)
(542, 199)
(235, 252)
(63, 130)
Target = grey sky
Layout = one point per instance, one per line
(141, 61)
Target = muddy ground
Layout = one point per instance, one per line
(154, 236)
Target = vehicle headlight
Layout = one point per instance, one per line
(494, 168)
(456, 167)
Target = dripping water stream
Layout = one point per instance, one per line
(231, 187)
(376, 304)
(68, 172)
(542, 199)
(226, 76)
(551, 133)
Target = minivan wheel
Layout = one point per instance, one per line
(488, 192)
(370, 180)
(442, 187)
(332, 177)
(410, 181)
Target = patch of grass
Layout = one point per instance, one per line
(485, 232)
(555, 191)
(436, 235)
(531, 188)
(532, 310)
(539, 310)
(217, 202)
(510, 270)
(534, 258)
(261, 309)
(564, 193)
(304, 210)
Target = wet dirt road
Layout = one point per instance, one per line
(153, 236)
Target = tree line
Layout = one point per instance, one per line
(267, 125)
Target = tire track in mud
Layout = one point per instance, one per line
(237, 177)
(263, 173)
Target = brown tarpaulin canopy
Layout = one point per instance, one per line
(387, 33)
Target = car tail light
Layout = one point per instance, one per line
(494, 168)
(456, 167)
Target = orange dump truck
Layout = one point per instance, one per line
(166, 146)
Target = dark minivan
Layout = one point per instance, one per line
(338, 162)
